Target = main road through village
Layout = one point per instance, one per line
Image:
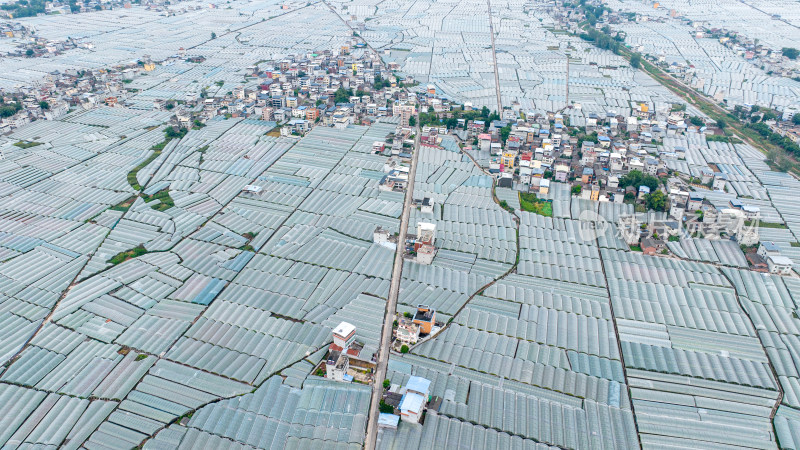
(384, 347)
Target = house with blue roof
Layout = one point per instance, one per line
(411, 407)
(414, 399)
(419, 386)
(386, 420)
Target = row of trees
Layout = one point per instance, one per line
(601, 40)
(755, 114)
(432, 119)
(636, 60)
(776, 139)
(699, 122)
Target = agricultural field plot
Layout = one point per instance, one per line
(231, 290)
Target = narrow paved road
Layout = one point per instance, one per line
(391, 307)
(494, 61)
(384, 346)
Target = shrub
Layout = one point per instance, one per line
(385, 408)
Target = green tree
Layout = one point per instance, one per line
(342, 95)
(636, 60)
(636, 178)
(796, 119)
(378, 83)
(791, 53)
(213, 35)
(172, 133)
(761, 128)
(385, 408)
(505, 132)
(696, 121)
(656, 201)
(412, 121)
(386, 383)
(44, 105)
(721, 123)
(29, 52)
(9, 109)
(404, 349)
(576, 189)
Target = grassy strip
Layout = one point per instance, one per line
(169, 134)
(529, 202)
(504, 204)
(156, 153)
(202, 151)
(135, 252)
(761, 224)
(165, 201)
(124, 206)
(22, 144)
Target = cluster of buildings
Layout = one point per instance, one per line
(768, 258)
(413, 327)
(12, 29)
(334, 89)
(542, 149)
(760, 62)
(75, 7)
(420, 247)
(612, 158)
(398, 148)
(329, 88)
(63, 90)
(408, 402)
(344, 361)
